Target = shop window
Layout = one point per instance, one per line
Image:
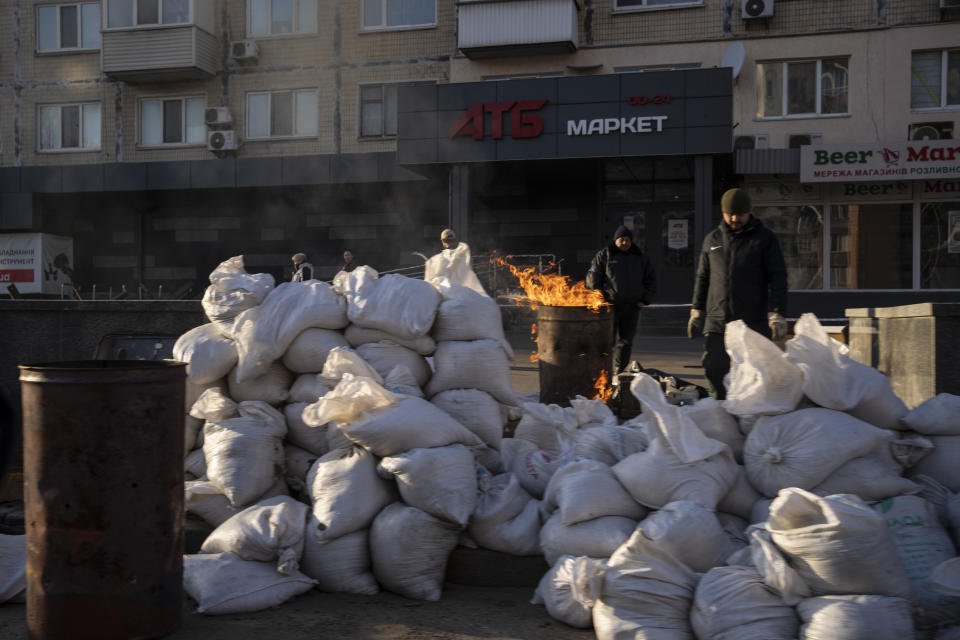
(64, 27)
(69, 127)
(799, 229)
(279, 17)
(940, 245)
(172, 121)
(282, 114)
(654, 4)
(811, 88)
(935, 79)
(871, 246)
(146, 13)
(390, 14)
(378, 109)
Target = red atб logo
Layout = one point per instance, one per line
(523, 124)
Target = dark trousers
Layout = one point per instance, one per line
(625, 318)
(716, 364)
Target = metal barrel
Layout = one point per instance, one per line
(103, 498)
(574, 347)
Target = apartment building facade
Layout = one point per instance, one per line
(162, 136)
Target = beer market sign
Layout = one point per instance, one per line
(907, 160)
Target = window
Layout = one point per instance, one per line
(277, 17)
(378, 109)
(138, 13)
(172, 121)
(871, 246)
(68, 26)
(940, 245)
(800, 232)
(935, 79)
(653, 4)
(807, 88)
(70, 127)
(280, 114)
(389, 14)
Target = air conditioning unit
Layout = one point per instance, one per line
(931, 131)
(752, 9)
(217, 116)
(221, 141)
(758, 141)
(797, 140)
(950, 4)
(244, 50)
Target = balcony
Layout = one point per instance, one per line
(173, 53)
(501, 28)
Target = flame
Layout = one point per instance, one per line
(534, 355)
(553, 290)
(602, 385)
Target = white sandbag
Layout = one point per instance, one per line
(307, 388)
(941, 463)
(347, 493)
(772, 564)
(396, 304)
(356, 336)
(313, 439)
(834, 380)
(506, 518)
(855, 617)
(384, 422)
(409, 551)
(717, 423)
(802, 448)
(936, 416)
(735, 529)
(441, 481)
(533, 467)
(872, 477)
(465, 314)
(592, 411)
(13, 568)
(570, 588)
(204, 499)
(194, 391)
(308, 351)
(760, 511)
(597, 538)
(264, 333)
(341, 564)
(192, 428)
(272, 386)
(341, 361)
(647, 594)
(733, 603)
(475, 364)
(384, 356)
(476, 410)
(223, 583)
(953, 518)
(944, 579)
(401, 380)
(214, 405)
(232, 290)
(838, 544)
(269, 531)
(195, 464)
(455, 265)
(741, 498)
(549, 426)
(586, 489)
(245, 454)
(762, 379)
(688, 532)
(610, 444)
(297, 464)
(209, 355)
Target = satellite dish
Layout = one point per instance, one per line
(733, 58)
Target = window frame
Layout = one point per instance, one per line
(297, 31)
(293, 136)
(676, 4)
(183, 122)
(60, 48)
(360, 103)
(40, 106)
(364, 28)
(944, 74)
(785, 85)
(105, 17)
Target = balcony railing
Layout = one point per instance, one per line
(161, 54)
(495, 28)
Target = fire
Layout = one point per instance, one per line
(602, 385)
(534, 355)
(554, 290)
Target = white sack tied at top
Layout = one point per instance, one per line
(456, 266)
(272, 385)
(233, 290)
(855, 617)
(476, 410)
(299, 433)
(834, 380)
(690, 533)
(209, 355)
(396, 304)
(205, 500)
(385, 356)
(549, 426)
(341, 564)
(465, 314)
(570, 589)
(733, 603)
(506, 518)
(585, 489)
(441, 481)
(609, 443)
(936, 416)
(308, 351)
(473, 364)
(871, 477)
(222, 583)
(264, 332)
(384, 422)
(762, 380)
(597, 538)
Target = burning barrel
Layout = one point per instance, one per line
(574, 347)
(103, 494)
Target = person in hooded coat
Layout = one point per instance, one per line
(628, 281)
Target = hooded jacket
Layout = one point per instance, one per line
(624, 277)
(741, 276)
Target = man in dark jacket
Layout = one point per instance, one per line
(741, 276)
(628, 281)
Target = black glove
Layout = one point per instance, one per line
(695, 324)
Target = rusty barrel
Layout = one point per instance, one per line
(574, 347)
(103, 498)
